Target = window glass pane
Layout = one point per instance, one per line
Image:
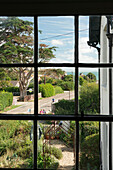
(87, 54)
(56, 90)
(17, 90)
(56, 39)
(89, 91)
(16, 40)
(56, 144)
(89, 145)
(16, 147)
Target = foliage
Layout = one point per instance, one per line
(68, 77)
(91, 76)
(67, 85)
(65, 107)
(58, 90)
(6, 99)
(13, 135)
(54, 73)
(88, 128)
(17, 41)
(89, 98)
(24, 152)
(68, 138)
(89, 157)
(47, 90)
(46, 53)
(81, 80)
(54, 151)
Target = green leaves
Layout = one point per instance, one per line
(16, 41)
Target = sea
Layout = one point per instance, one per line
(85, 73)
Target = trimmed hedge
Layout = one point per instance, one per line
(58, 90)
(6, 100)
(65, 107)
(89, 156)
(47, 90)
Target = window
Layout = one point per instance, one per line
(81, 119)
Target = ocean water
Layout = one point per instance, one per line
(85, 73)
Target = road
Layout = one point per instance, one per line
(28, 107)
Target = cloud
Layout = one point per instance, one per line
(87, 54)
(56, 42)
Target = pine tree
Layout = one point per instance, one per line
(16, 46)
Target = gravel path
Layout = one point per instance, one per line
(67, 162)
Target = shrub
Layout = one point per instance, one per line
(89, 98)
(64, 107)
(58, 90)
(24, 152)
(67, 85)
(88, 128)
(47, 90)
(54, 151)
(6, 99)
(89, 157)
(91, 76)
(14, 90)
(81, 80)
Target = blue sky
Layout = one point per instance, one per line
(55, 26)
(59, 31)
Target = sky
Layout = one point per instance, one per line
(59, 31)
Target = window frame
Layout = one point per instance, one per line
(76, 117)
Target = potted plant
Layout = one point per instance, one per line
(52, 136)
(47, 136)
(57, 134)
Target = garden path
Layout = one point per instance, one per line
(67, 162)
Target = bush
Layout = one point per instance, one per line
(64, 107)
(58, 90)
(24, 152)
(81, 80)
(88, 128)
(89, 157)
(6, 99)
(67, 85)
(14, 90)
(89, 98)
(54, 151)
(47, 90)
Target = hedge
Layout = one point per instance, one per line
(6, 100)
(89, 156)
(47, 90)
(58, 90)
(65, 107)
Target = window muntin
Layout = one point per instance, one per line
(43, 117)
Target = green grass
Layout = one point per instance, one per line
(10, 108)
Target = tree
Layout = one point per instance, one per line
(91, 76)
(54, 73)
(16, 46)
(46, 53)
(4, 78)
(89, 98)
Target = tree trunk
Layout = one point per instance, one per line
(24, 80)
